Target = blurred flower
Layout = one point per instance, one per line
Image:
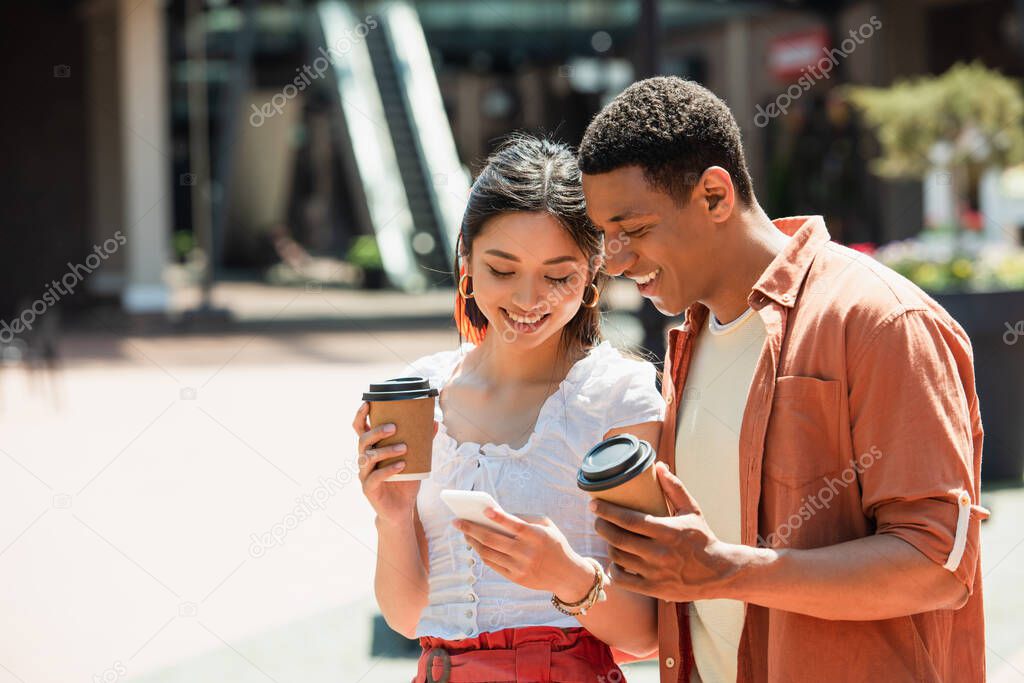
(962, 269)
(944, 262)
(972, 220)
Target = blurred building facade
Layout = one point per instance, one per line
(109, 136)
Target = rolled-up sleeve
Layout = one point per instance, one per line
(916, 427)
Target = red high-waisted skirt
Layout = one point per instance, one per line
(538, 654)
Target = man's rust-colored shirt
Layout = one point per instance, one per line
(862, 418)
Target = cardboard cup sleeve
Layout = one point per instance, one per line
(414, 420)
(641, 493)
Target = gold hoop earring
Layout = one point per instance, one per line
(597, 297)
(462, 287)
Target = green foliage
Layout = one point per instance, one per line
(978, 112)
(365, 253)
(184, 243)
(965, 121)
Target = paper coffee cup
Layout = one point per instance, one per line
(408, 403)
(621, 470)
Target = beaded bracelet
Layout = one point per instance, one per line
(595, 595)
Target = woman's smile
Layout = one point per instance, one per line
(524, 323)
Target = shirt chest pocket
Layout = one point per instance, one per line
(802, 442)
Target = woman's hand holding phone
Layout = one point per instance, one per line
(533, 553)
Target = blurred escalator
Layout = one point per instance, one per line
(396, 140)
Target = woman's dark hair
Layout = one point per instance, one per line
(527, 174)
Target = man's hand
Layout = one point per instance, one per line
(676, 558)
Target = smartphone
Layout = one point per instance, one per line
(470, 506)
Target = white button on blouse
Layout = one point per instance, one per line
(601, 392)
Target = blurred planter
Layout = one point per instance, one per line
(365, 254)
(374, 278)
(999, 374)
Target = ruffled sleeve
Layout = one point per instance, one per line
(629, 392)
(436, 368)
(623, 390)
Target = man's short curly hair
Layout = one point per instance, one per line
(673, 129)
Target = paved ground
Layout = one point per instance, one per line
(137, 484)
(131, 495)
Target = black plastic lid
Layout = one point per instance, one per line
(400, 389)
(401, 384)
(614, 461)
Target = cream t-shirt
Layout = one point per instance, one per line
(707, 461)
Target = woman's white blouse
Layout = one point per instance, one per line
(602, 391)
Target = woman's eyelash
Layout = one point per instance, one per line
(557, 280)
